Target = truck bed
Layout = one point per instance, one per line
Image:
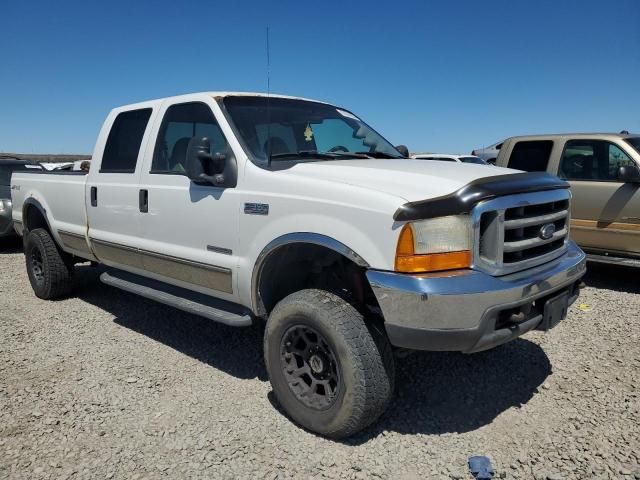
(60, 194)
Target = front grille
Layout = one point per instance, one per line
(520, 231)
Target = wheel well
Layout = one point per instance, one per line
(298, 266)
(33, 218)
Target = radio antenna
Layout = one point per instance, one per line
(268, 152)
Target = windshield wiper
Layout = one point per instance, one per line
(315, 154)
(376, 154)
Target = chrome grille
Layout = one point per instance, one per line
(516, 232)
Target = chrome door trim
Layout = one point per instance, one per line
(116, 253)
(189, 271)
(75, 241)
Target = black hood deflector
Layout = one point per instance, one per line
(463, 200)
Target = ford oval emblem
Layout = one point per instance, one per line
(547, 231)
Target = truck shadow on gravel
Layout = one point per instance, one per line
(436, 393)
(447, 392)
(236, 351)
(442, 392)
(612, 277)
(10, 245)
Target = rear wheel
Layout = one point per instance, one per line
(49, 274)
(331, 373)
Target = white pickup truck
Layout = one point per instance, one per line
(248, 208)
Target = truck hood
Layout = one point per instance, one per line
(407, 179)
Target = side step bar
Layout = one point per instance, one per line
(611, 260)
(180, 298)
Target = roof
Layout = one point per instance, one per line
(217, 94)
(579, 135)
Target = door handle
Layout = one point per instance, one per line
(94, 196)
(143, 200)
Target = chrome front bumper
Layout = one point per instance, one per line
(465, 310)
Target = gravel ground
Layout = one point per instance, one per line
(108, 385)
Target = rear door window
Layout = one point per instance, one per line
(595, 160)
(123, 144)
(531, 156)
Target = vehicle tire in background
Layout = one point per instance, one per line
(49, 274)
(331, 372)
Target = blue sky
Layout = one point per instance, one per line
(438, 76)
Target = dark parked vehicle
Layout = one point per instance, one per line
(7, 166)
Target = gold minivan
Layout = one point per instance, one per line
(604, 172)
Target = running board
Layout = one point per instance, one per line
(180, 298)
(611, 260)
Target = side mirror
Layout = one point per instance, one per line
(404, 151)
(203, 167)
(629, 174)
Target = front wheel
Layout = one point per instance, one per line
(331, 373)
(49, 274)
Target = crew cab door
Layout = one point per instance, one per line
(190, 230)
(111, 195)
(605, 212)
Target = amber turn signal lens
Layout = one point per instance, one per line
(433, 262)
(405, 242)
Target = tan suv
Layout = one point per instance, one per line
(604, 172)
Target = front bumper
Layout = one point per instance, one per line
(468, 310)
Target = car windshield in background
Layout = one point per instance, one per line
(290, 129)
(7, 169)
(473, 160)
(440, 159)
(634, 142)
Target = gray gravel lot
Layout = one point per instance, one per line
(108, 385)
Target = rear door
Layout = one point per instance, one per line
(605, 211)
(111, 194)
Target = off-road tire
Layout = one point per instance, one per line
(364, 362)
(50, 275)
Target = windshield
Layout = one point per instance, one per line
(291, 129)
(473, 160)
(7, 169)
(634, 142)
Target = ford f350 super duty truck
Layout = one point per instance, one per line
(248, 208)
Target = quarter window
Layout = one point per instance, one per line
(181, 123)
(596, 160)
(531, 156)
(123, 144)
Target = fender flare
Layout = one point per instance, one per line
(288, 239)
(35, 203)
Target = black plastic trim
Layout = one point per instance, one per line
(35, 203)
(463, 200)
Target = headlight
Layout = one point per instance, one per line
(4, 205)
(442, 243)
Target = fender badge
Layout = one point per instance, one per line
(256, 208)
